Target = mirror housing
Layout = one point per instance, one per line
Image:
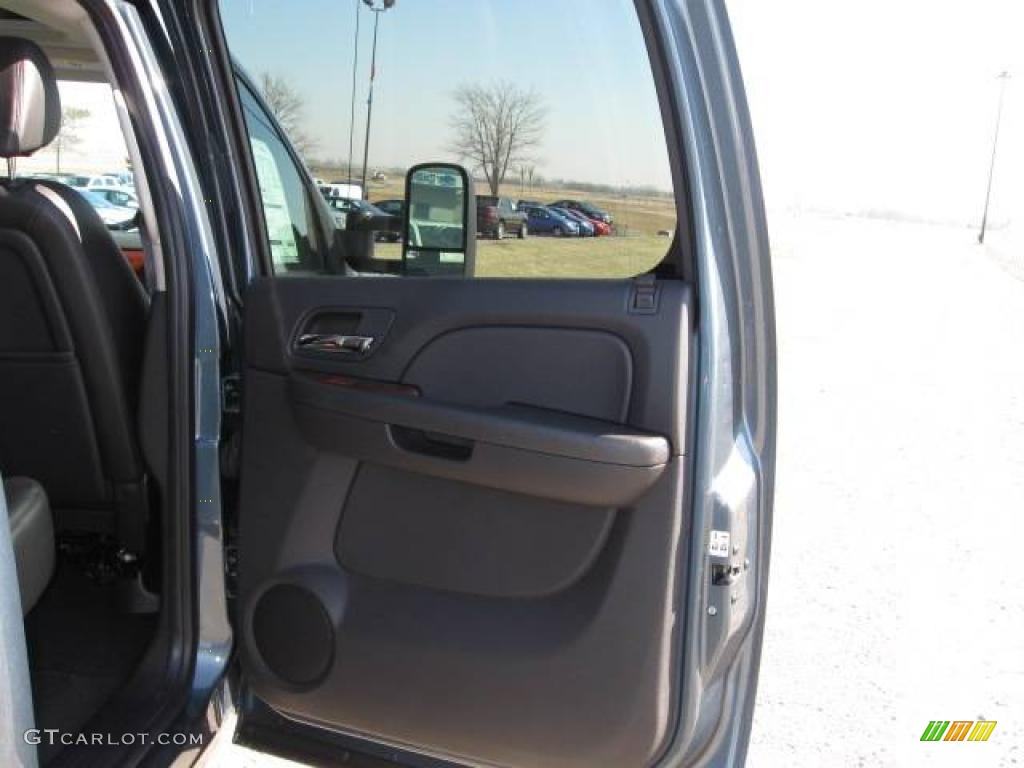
(439, 222)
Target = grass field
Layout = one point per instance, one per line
(635, 248)
(560, 257)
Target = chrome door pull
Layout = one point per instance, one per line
(330, 342)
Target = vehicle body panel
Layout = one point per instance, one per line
(550, 221)
(587, 228)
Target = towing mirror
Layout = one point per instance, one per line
(439, 226)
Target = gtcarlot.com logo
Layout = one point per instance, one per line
(51, 736)
(958, 730)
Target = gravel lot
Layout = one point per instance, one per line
(896, 596)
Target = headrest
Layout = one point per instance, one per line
(29, 101)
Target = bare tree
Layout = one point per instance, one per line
(67, 138)
(288, 106)
(496, 126)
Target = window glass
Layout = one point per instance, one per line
(550, 104)
(287, 209)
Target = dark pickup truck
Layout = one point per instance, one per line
(497, 216)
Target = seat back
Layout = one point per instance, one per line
(72, 324)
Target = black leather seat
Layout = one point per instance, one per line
(72, 326)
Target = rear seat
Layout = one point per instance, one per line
(28, 511)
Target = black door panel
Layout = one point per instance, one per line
(417, 529)
(277, 311)
(514, 447)
(477, 525)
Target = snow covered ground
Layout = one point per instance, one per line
(897, 590)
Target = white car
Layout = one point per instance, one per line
(104, 181)
(342, 189)
(101, 181)
(112, 215)
(119, 196)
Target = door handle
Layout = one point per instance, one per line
(333, 342)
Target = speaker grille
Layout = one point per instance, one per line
(293, 634)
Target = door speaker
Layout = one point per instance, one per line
(293, 634)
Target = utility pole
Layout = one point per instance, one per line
(1003, 77)
(352, 112)
(373, 73)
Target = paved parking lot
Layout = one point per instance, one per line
(897, 593)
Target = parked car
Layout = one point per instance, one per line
(104, 181)
(125, 198)
(522, 205)
(543, 220)
(601, 227)
(497, 216)
(342, 207)
(347, 189)
(125, 178)
(393, 207)
(114, 216)
(587, 209)
(86, 181)
(587, 228)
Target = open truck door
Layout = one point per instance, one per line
(507, 522)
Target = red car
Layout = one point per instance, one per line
(600, 227)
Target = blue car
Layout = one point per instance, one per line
(586, 225)
(543, 220)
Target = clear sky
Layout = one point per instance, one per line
(874, 106)
(885, 105)
(586, 59)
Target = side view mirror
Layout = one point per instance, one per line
(439, 225)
